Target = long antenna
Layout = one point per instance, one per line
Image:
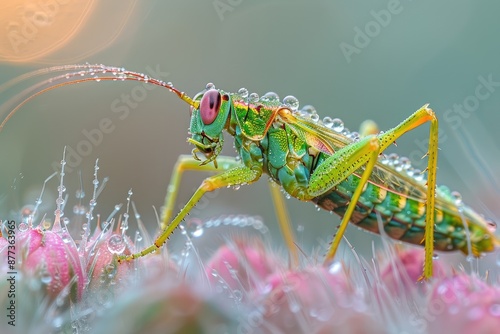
(77, 74)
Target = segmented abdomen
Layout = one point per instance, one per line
(403, 218)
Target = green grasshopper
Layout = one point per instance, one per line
(313, 161)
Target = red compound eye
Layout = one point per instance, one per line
(209, 106)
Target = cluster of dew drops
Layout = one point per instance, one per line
(308, 112)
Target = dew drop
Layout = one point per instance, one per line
(243, 92)
(45, 277)
(492, 226)
(393, 159)
(294, 306)
(405, 163)
(58, 321)
(435, 256)
(307, 110)
(23, 227)
(238, 296)
(270, 97)
(335, 268)
(457, 198)
(354, 136)
(253, 98)
(209, 86)
(337, 125)
(328, 122)
(291, 102)
(110, 270)
(116, 245)
(198, 231)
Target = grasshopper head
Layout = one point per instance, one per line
(209, 116)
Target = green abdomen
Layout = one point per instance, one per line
(403, 218)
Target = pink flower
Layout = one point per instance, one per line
(52, 258)
(464, 304)
(403, 272)
(313, 300)
(242, 264)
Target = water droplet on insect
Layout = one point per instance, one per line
(405, 163)
(457, 197)
(328, 122)
(270, 97)
(243, 92)
(492, 226)
(23, 227)
(417, 174)
(291, 102)
(393, 159)
(354, 136)
(116, 245)
(307, 110)
(315, 117)
(253, 98)
(209, 86)
(435, 256)
(338, 125)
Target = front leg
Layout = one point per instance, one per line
(235, 176)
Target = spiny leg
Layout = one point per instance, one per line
(187, 163)
(235, 176)
(418, 118)
(345, 161)
(372, 148)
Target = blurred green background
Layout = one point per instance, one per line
(377, 60)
